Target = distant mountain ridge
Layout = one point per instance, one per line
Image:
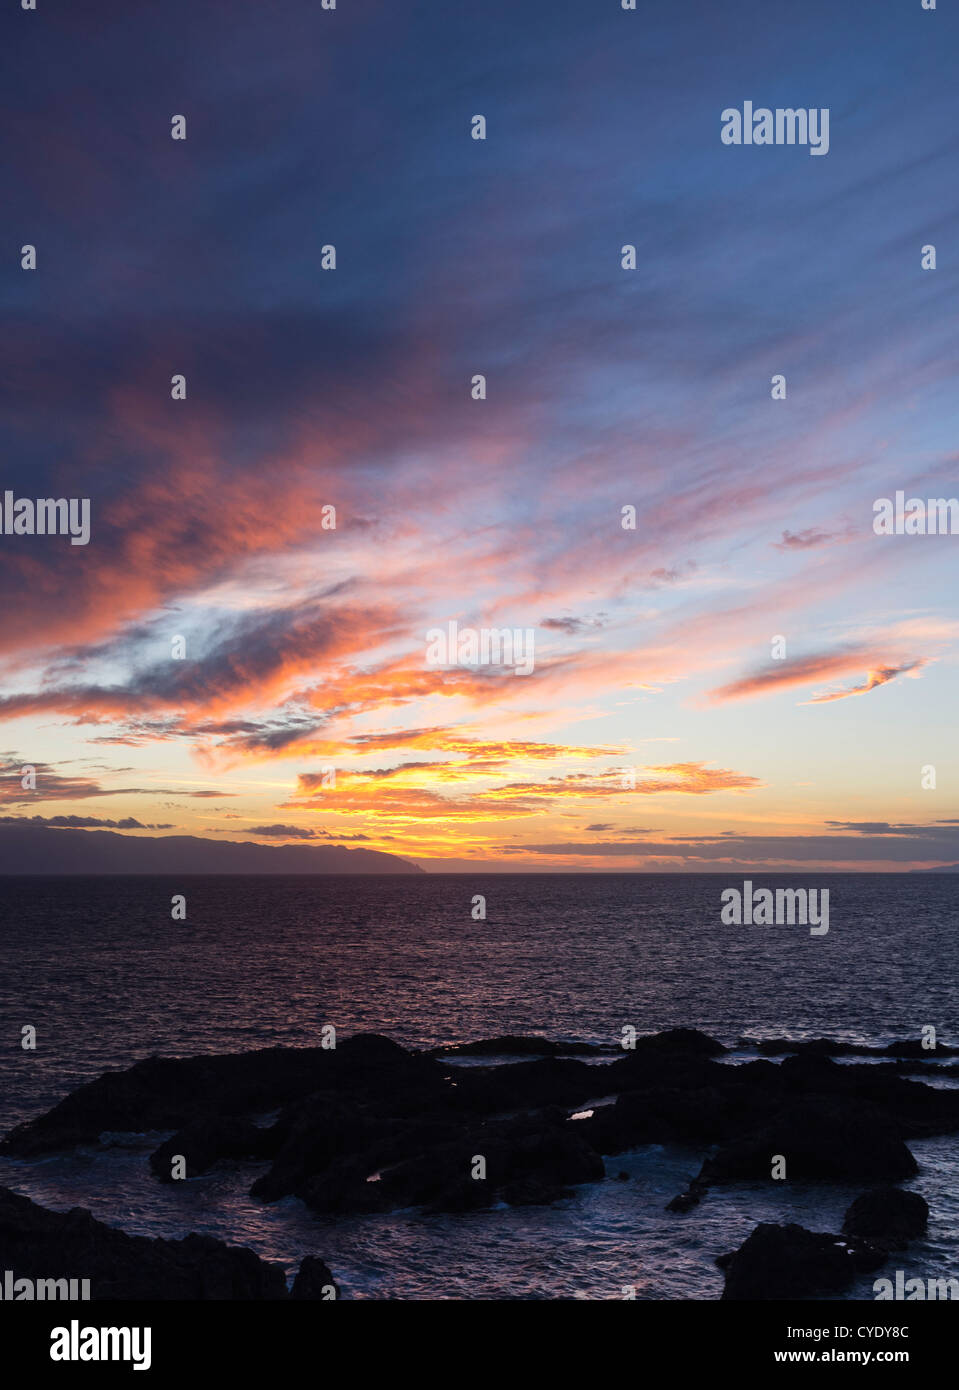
(35, 849)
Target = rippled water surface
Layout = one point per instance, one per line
(106, 977)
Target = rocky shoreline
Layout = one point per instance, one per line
(370, 1127)
(39, 1245)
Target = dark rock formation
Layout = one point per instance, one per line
(675, 1042)
(819, 1047)
(518, 1085)
(782, 1262)
(162, 1093)
(819, 1138)
(327, 1133)
(887, 1217)
(912, 1047)
(370, 1126)
(40, 1244)
(912, 1108)
(692, 1197)
(203, 1142)
(314, 1281)
(544, 1149)
(530, 1192)
(512, 1045)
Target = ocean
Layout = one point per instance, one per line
(106, 976)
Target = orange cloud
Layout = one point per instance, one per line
(404, 794)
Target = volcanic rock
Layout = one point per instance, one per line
(887, 1217)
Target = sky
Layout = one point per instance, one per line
(750, 676)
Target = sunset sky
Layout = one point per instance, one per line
(306, 648)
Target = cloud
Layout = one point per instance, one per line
(785, 675)
(674, 574)
(52, 786)
(259, 655)
(882, 676)
(573, 626)
(404, 797)
(803, 540)
(303, 741)
(283, 832)
(881, 827)
(609, 389)
(300, 832)
(930, 845)
(82, 822)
